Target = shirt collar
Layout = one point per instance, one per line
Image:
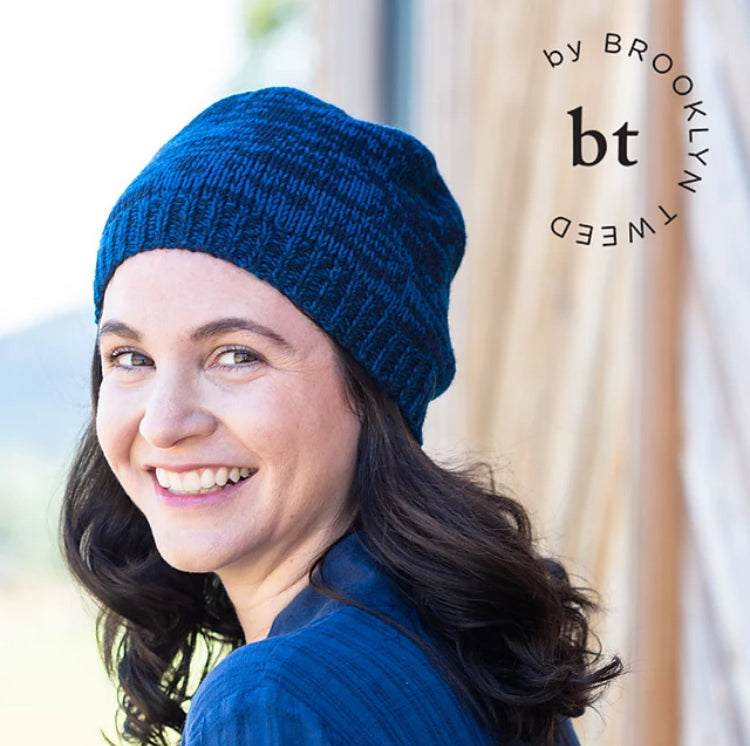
(349, 569)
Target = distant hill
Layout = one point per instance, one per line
(44, 404)
(44, 379)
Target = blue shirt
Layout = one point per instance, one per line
(330, 674)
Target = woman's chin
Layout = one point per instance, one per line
(186, 560)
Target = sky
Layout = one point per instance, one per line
(90, 89)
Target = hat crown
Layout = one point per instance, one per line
(349, 219)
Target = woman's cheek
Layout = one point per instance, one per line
(116, 423)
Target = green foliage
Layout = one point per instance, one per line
(29, 500)
(263, 17)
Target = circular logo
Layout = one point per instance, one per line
(597, 121)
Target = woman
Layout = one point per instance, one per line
(272, 295)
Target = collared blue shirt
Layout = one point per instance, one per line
(330, 674)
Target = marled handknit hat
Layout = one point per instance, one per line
(348, 219)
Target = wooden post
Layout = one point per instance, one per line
(659, 503)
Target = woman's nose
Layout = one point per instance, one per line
(175, 411)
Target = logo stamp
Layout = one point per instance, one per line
(603, 136)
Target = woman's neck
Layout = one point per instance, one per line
(260, 589)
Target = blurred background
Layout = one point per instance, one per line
(608, 383)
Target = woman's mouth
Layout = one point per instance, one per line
(201, 481)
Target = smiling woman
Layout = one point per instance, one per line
(232, 436)
(272, 295)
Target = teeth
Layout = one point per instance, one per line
(175, 482)
(191, 481)
(162, 477)
(200, 481)
(207, 478)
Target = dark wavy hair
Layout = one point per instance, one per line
(511, 632)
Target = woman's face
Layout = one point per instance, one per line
(222, 413)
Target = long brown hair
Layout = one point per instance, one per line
(510, 632)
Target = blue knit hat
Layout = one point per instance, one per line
(348, 219)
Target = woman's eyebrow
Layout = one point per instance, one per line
(236, 324)
(118, 328)
(211, 329)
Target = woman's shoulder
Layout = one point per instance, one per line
(348, 674)
(348, 645)
(332, 673)
(342, 680)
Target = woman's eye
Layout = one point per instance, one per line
(130, 359)
(231, 358)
